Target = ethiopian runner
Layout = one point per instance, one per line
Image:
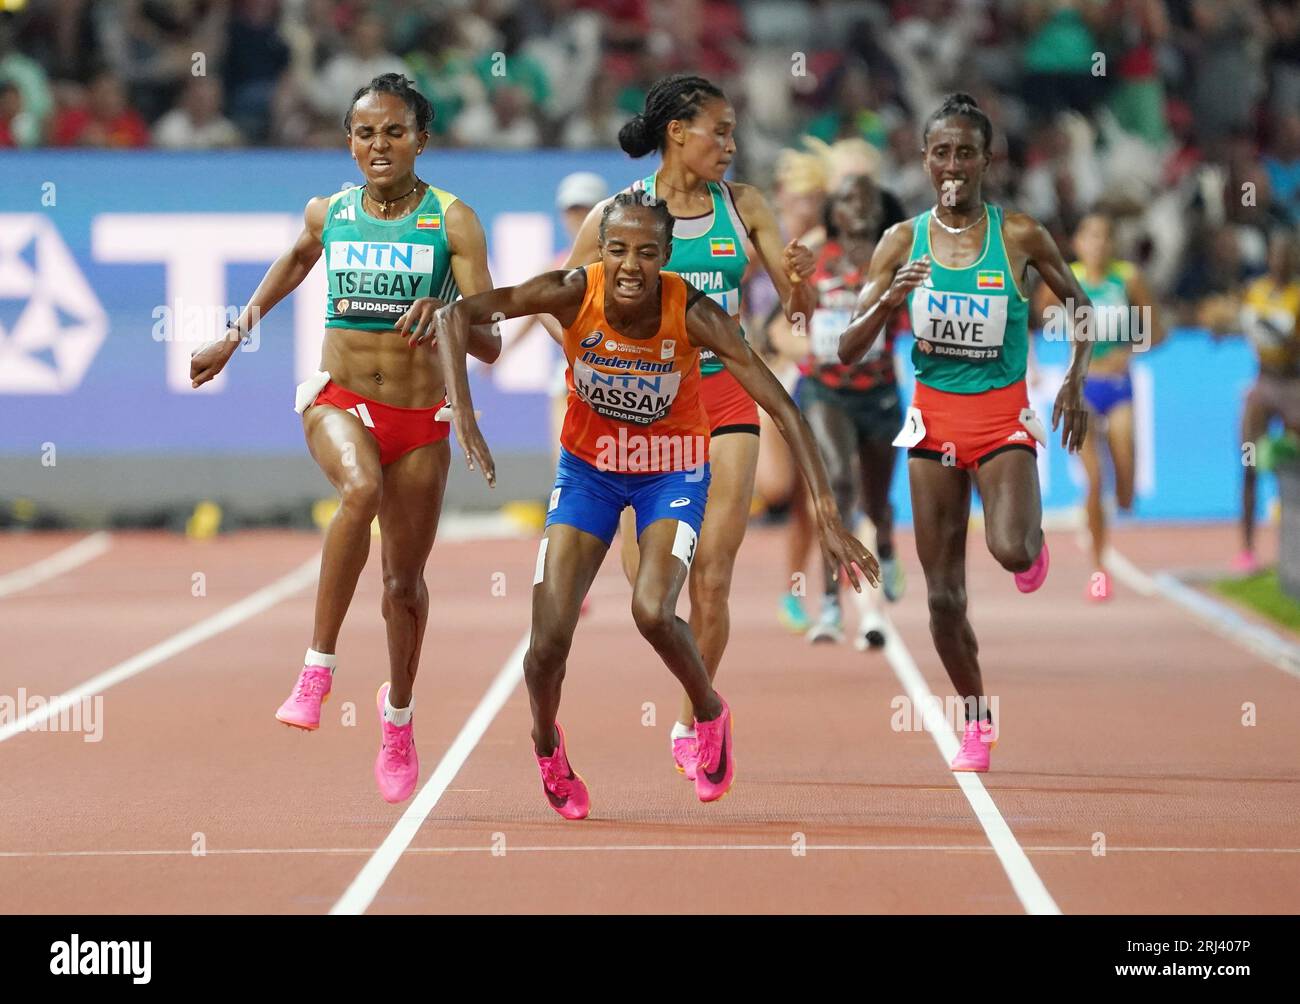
(396, 249)
(960, 269)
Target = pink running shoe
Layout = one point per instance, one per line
(302, 708)
(397, 767)
(715, 765)
(685, 756)
(1036, 574)
(565, 790)
(1245, 563)
(1099, 586)
(978, 739)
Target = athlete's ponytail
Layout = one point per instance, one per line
(677, 97)
(960, 105)
(399, 86)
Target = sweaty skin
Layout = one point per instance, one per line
(406, 496)
(955, 157)
(633, 253)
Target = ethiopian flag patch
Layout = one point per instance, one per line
(722, 247)
(988, 280)
(433, 222)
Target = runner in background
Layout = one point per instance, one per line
(1270, 319)
(1124, 315)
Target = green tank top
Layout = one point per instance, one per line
(1110, 306)
(708, 252)
(971, 324)
(377, 268)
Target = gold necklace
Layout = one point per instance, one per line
(681, 191)
(934, 213)
(390, 202)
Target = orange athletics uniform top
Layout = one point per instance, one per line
(634, 404)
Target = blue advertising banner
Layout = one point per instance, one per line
(114, 266)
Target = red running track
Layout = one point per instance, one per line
(1122, 729)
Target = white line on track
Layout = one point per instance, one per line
(72, 556)
(1219, 618)
(363, 889)
(1029, 888)
(648, 848)
(250, 606)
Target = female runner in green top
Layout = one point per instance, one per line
(970, 414)
(396, 248)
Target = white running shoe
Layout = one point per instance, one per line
(828, 627)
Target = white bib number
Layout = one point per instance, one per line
(639, 398)
(969, 326)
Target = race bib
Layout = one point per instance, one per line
(968, 326)
(308, 390)
(826, 329)
(1030, 420)
(637, 398)
(913, 430)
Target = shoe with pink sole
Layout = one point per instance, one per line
(397, 767)
(301, 708)
(978, 740)
(715, 766)
(565, 790)
(685, 755)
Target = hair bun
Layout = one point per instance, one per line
(961, 98)
(635, 138)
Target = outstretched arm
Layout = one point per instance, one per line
(1030, 238)
(469, 268)
(558, 293)
(709, 327)
(282, 278)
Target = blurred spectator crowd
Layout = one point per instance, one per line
(1179, 117)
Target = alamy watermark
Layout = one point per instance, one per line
(1132, 326)
(909, 716)
(642, 453)
(201, 323)
(85, 715)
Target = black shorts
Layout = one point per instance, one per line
(876, 413)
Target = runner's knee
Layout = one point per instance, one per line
(1011, 553)
(405, 591)
(360, 495)
(710, 578)
(653, 617)
(547, 652)
(947, 607)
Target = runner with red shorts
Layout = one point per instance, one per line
(396, 249)
(635, 435)
(961, 268)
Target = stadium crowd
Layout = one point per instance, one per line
(1180, 117)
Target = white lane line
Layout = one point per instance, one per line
(1028, 887)
(496, 850)
(361, 893)
(1218, 617)
(72, 556)
(252, 605)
